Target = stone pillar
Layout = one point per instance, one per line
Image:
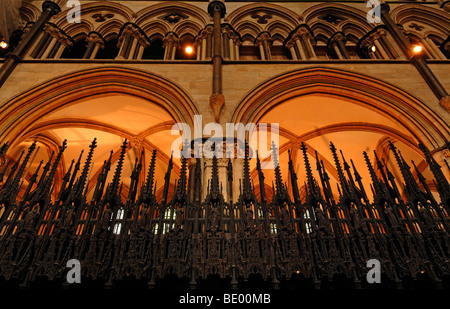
(230, 39)
(380, 48)
(65, 42)
(124, 41)
(339, 40)
(299, 44)
(203, 43)
(291, 48)
(171, 43)
(132, 42)
(390, 45)
(49, 48)
(433, 48)
(49, 41)
(95, 42)
(264, 41)
(216, 10)
(306, 38)
(420, 64)
(49, 9)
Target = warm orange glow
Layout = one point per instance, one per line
(417, 49)
(373, 48)
(4, 44)
(189, 50)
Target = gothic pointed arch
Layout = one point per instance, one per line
(172, 12)
(264, 13)
(422, 17)
(415, 116)
(23, 110)
(336, 15)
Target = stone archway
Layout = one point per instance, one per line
(319, 105)
(421, 122)
(111, 104)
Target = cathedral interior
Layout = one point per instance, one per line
(90, 92)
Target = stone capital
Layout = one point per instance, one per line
(217, 6)
(51, 7)
(96, 38)
(337, 37)
(170, 38)
(263, 36)
(385, 8)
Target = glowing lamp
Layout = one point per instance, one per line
(417, 49)
(4, 44)
(189, 50)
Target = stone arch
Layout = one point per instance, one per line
(386, 113)
(29, 12)
(110, 28)
(119, 11)
(356, 16)
(195, 14)
(187, 27)
(433, 18)
(19, 113)
(419, 120)
(288, 16)
(155, 29)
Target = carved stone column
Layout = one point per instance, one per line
(132, 42)
(216, 10)
(49, 9)
(337, 43)
(143, 43)
(124, 43)
(230, 39)
(437, 53)
(95, 42)
(171, 43)
(264, 40)
(300, 45)
(417, 60)
(203, 43)
(381, 50)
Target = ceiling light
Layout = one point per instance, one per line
(373, 48)
(417, 49)
(4, 44)
(189, 50)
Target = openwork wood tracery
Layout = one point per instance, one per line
(317, 237)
